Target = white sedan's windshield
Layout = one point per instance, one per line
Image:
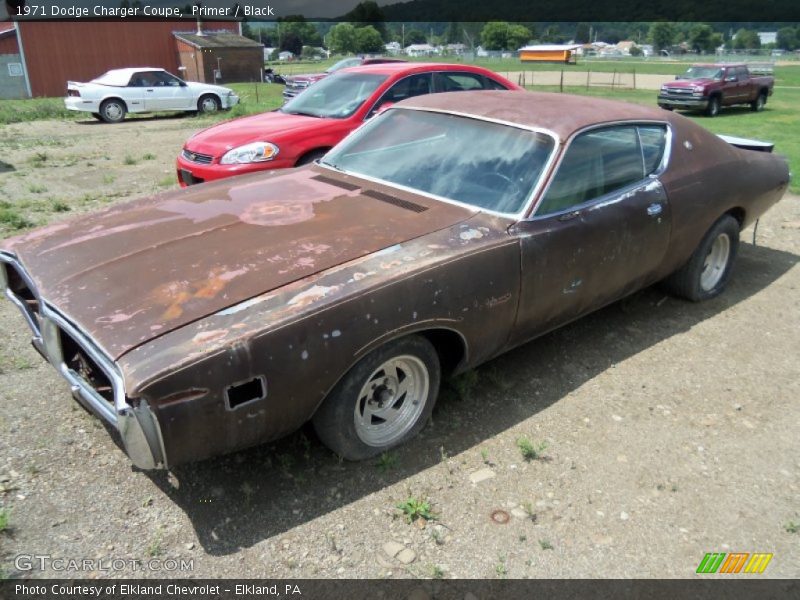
(337, 96)
(483, 164)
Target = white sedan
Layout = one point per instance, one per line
(137, 90)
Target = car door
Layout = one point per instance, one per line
(600, 229)
(167, 92)
(136, 90)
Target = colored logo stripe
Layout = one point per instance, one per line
(734, 563)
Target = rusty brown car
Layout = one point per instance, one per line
(445, 231)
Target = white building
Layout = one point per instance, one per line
(420, 50)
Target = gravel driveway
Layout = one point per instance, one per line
(664, 430)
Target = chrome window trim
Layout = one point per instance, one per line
(9, 259)
(665, 157)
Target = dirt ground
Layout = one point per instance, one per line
(671, 431)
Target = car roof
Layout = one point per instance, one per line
(719, 65)
(132, 70)
(391, 68)
(562, 114)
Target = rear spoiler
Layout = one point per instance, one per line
(745, 144)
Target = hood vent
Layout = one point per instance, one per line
(405, 204)
(341, 184)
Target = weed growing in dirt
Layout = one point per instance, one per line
(414, 509)
(108, 178)
(168, 181)
(465, 384)
(155, 548)
(792, 527)
(36, 189)
(529, 450)
(59, 206)
(5, 516)
(545, 545)
(149, 156)
(437, 572)
(38, 160)
(386, 462)
(12, 219)
(500, 568)
(129, 160)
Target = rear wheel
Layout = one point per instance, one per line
(709, 268)
(113, 110)
(757, 105)
(383, 401)
(712, 110)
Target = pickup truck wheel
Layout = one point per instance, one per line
(383, 401)
(113, 110)
(208, 104)
(709, 268)
(712, 110)
(757, 105)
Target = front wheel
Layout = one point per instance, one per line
(208, 104)
(383, 401)
(709, 268)
(712, 110)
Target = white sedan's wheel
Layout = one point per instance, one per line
(113, 110)
(208, 104)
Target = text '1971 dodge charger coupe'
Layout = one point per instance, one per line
(448, 229)
(141, 90)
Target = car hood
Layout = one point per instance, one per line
(139, 270)
(306, 77)
(688, 83)
(217, 140)
(205, 87)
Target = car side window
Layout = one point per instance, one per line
(163, 79)
(408, 87)
(459, 82)
(653, 139)
(596, 163)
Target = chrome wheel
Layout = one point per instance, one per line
(112, 111)
(716, 262)
(391, 401)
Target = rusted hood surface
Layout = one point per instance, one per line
(141, 269)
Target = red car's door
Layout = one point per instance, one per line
(600, 231)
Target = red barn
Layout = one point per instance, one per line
(51, 53)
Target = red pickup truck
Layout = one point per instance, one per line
(710, 87)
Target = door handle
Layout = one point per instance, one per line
(569, 215)
(150, 90)
(654, 209)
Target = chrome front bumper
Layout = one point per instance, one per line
(135, 422)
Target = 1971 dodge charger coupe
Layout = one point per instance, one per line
(144, 89)
(448, 229)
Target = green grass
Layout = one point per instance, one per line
(5, 517)
(36, 109)
(529, 450)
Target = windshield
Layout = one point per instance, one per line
(337, 96)
(482, 164)
(702, 73)
(343, 64)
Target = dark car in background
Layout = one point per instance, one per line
(297, 83)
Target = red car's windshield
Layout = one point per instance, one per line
(336, 97)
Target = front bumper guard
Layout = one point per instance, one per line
(137, 425)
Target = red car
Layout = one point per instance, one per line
(311, 123)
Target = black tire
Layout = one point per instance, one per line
(669, 108)
(310, 157)
(97, 116)
(712, 110)
(113, 110)
(335, 420)
(208, 103)
(687, 282)
(758, 104)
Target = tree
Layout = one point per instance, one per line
(700, 38)
(368, 40)
(499, 35)
(342, 38)
(661, 35)
(581, 34)
(366, 14)
(786, 38)
(292, 43)
(746, 39)
(415, 36)
(297, 26)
